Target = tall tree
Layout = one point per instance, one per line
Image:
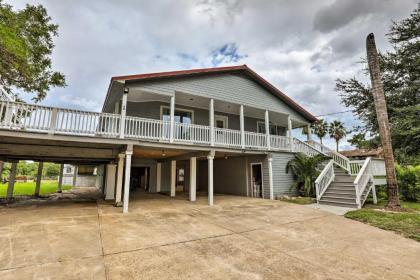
(400, 77)
(337, 131)
(25, 50)
(382, 117)
(320, 129)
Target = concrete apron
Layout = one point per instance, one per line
(164, 238)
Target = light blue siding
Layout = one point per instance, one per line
(151, 110)
(228, 87)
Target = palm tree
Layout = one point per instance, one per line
(382, 117)
(305, 170)
(321, 129)
(337, 131)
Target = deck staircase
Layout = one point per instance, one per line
(344, 182)
(342, 192)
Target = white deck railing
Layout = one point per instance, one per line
(191, 133)
(227, 137)
(363, 179)
(255, 140)
(338, 158)
(303, 147)
(43, 119)
(279, 142)
(325, 178)
(377, 167)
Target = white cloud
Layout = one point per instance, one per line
(300, 46)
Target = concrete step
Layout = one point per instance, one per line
(341, 204)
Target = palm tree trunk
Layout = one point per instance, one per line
(320, 139)
(382, 116)
(336, 142)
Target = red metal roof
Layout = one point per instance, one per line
(240, 68)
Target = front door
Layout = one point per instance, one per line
(256, 179)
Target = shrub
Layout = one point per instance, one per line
(409, 182)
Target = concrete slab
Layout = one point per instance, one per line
(164, 238)
(331, 208)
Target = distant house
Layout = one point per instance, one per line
(87, 176)
(364, 153)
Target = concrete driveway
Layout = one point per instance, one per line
(163, 238)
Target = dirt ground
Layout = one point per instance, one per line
(164, 238)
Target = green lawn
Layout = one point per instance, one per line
(29, 188)
(404, 223)
(299, 200)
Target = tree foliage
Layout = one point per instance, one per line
(320, 129)
(337, 131)
(305, 170)
(25, 50)
(401, 79)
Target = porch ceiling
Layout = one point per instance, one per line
(155, 153)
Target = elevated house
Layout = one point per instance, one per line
(224, 130)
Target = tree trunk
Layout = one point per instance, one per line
(336, 142)
(320, 139)
(382, 117)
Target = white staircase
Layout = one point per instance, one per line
(343, 182)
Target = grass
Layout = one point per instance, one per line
(299, 200)
(404, 223)
(28, 188)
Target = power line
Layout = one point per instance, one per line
(335, 113)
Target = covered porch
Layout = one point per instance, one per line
(181, 117)
(182, 172)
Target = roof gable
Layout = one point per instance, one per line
(242, 69)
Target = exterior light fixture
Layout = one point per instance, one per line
(163, 153)
(126, 90)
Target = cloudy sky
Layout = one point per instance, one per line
(302, 47)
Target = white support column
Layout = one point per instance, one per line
(118, 187)
(128, 154)
(75, 171)
(173, 178)
(242, 125)
(309, 132)
(39, 178)
(270, 176)
(289, 132)
(267, 129)
(12, 177)
(172, 119)
(158, 176)
(375, 199)
(210, 159)
(193, 178)
(211, 121)
(60, 179)
(110, 181)
(53, 121)
(123, 112)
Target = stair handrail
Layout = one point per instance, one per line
(363, 178)
(338, 158)
(308, 149)
(324, 179)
